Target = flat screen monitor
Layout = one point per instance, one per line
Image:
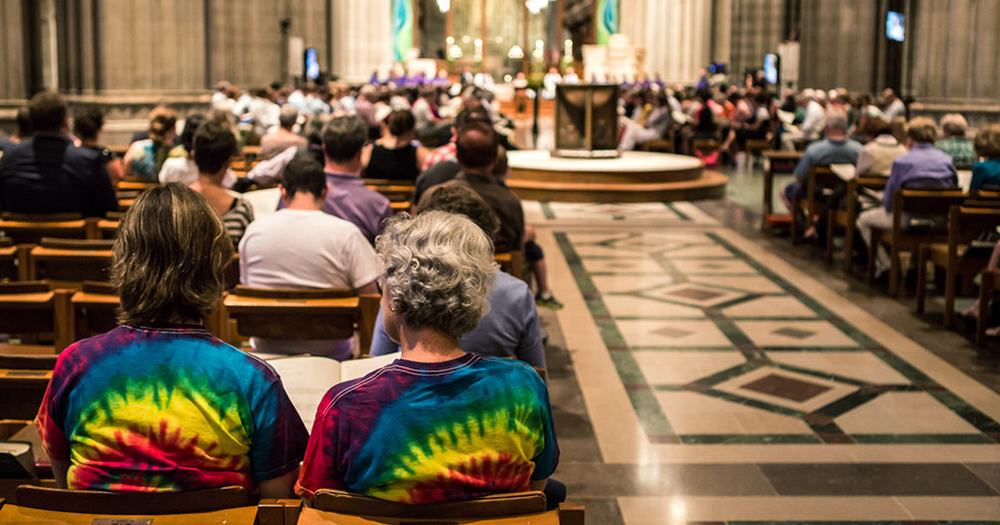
(895, 29)
(312, 64)
(771, 68)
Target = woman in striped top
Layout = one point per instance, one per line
(214, 145)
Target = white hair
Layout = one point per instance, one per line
(438, 269)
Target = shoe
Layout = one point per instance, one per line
(548, 301)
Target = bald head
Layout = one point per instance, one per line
(476, 146)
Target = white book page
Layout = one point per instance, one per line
(306, 380)
(356, 368)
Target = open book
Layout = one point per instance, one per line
(308, 378)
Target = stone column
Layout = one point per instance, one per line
(677, 35)
(362, 38)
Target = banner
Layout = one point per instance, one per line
(402, 29)
(607, 20)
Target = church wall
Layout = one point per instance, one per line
(677, 35)
(13, 78)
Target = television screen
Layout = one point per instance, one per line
(895, 29)
(771, 68)
(312, 64)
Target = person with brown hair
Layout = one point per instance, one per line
(394, 156)
(877, 155)
(159, 403)
(986, 172)
(214, 146)
(144, 158)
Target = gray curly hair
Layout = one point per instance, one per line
(439, 269)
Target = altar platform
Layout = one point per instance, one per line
(635, 176)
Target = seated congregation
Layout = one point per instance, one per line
(165, 402)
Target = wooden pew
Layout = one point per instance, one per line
(30, 228)
(33, 310)
(523, 507)
(226, 505)
(9, 253)
(302, 314)
(70, 261)
(95, 309)
(511, 262)
(964, 225)
(923, 204)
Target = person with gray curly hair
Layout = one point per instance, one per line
(510, 328)
(438, 424)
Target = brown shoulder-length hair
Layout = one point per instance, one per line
(169, 258)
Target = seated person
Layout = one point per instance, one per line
(987, 171)
(425, 429)
(923, 166)
(144, 158)
(88, 126)
(214, 146)
(158, 403)
(881, 150)
(299, 246)
(954, 143)
(394, 156)
(835, 148)
(272, 144)
(510, 328)
(46, 173)
(653, 127)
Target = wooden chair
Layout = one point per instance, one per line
(905, 235)
(32, 310)
(820, 179)
(25, 228)
(847, 219)
(302, 314)
(231, 505)
(70, 261)
(529, 506)
(964, 225)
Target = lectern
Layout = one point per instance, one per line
(586, 120)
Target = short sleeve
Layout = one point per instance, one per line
(363, 266)
(547, 459)
(279, 437)
(321, 465)
(51, 419)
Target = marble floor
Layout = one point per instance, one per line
(702, 372)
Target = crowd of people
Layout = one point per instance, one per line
(227, 419)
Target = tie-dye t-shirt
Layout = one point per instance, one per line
(165, 409)
(428, 432)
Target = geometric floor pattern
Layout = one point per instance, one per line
(713, 382)
(715, 348)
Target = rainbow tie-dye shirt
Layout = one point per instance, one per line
(428, 432)
(164, 409)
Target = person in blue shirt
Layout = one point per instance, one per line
(835, 148)
(986, 172)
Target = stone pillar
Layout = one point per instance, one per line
(362, 38)
(755, 29)
(13, 80)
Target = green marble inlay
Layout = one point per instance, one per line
(683, 216)
(847, 403)
(628, 369)
(929, 439)
(650, 414)
(814, 349)
(685, 348)
(727, 374)
(749, 439)
(547, 210)
(967, 412)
